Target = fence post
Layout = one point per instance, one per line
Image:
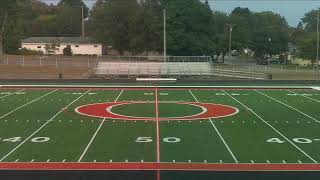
(40, 61)
(22, 60)
(88, 62)
(56, 62)
(7, 60)
(232, 67)
(265, 69)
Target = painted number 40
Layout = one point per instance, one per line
(34, 140)
(297, 140)
(149, 140)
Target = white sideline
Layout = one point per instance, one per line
(316, 88)
(302, 151)
(27, 104)
(45, 124)
(304, 96)
(96, 133)
(11, 94)
(216, 129)
(151, 86)
(288, 106)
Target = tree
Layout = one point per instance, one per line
(68, 21)
(242, 20)
(221, 34)
(113, 21)
(271, 34)
(67, 51)
(75, 4)
(6, 7)
(190, 27)
(310, 20)
(52, 47)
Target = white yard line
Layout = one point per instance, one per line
(304, 96)
(288, 106)
(11, 93)
(27, 104)
(216, 129)
(302, 151)
(90, 142)
(45, 124)
(96, 133)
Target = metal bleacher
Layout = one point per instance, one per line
(152, 69)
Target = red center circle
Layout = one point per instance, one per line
(103, 110)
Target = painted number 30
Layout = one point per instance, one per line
(149, 140)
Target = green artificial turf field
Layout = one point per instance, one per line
(159, 128)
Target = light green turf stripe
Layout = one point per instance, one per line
(216, 129)
(282, 135)
(44, 125)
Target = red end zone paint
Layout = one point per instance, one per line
(103, 110)
(160, 166)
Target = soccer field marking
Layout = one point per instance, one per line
(305, 96)
(283, 136)
(157, 124)
(96, 132)
(44, 125)
(27, 103)
(288, 106)
(216, 129)
(10, 94)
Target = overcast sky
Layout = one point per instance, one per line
(292, 10)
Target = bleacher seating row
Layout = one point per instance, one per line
(152, 69)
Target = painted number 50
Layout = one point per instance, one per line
(149, 140)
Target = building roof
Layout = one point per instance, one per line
(73, 40)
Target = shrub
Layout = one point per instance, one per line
(25, 51)
(67, 51)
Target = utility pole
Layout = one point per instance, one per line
(2, 31)
(230, 39)
(164, 37)
(318, 63)
(82, 21)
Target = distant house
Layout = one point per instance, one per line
(78, 45)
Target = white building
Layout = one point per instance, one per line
(79, 45)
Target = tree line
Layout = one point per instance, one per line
(136, 26)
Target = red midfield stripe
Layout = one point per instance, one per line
(160, 166)
(158, 128)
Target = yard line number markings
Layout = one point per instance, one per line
(28, 103)
(221, 137)
(13, 93)
(283, 136)
(96, 133)
(304, 96)
(288, 106)
(44, 125)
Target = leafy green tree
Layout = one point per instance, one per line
(310, 20)
(75, 4)
(190, 28)
(52, 47)
(271, 34)
(67, 51)
(221, 34)
(242, 20)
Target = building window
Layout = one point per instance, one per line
(95, 46)
(39, 47)
(77, 45)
